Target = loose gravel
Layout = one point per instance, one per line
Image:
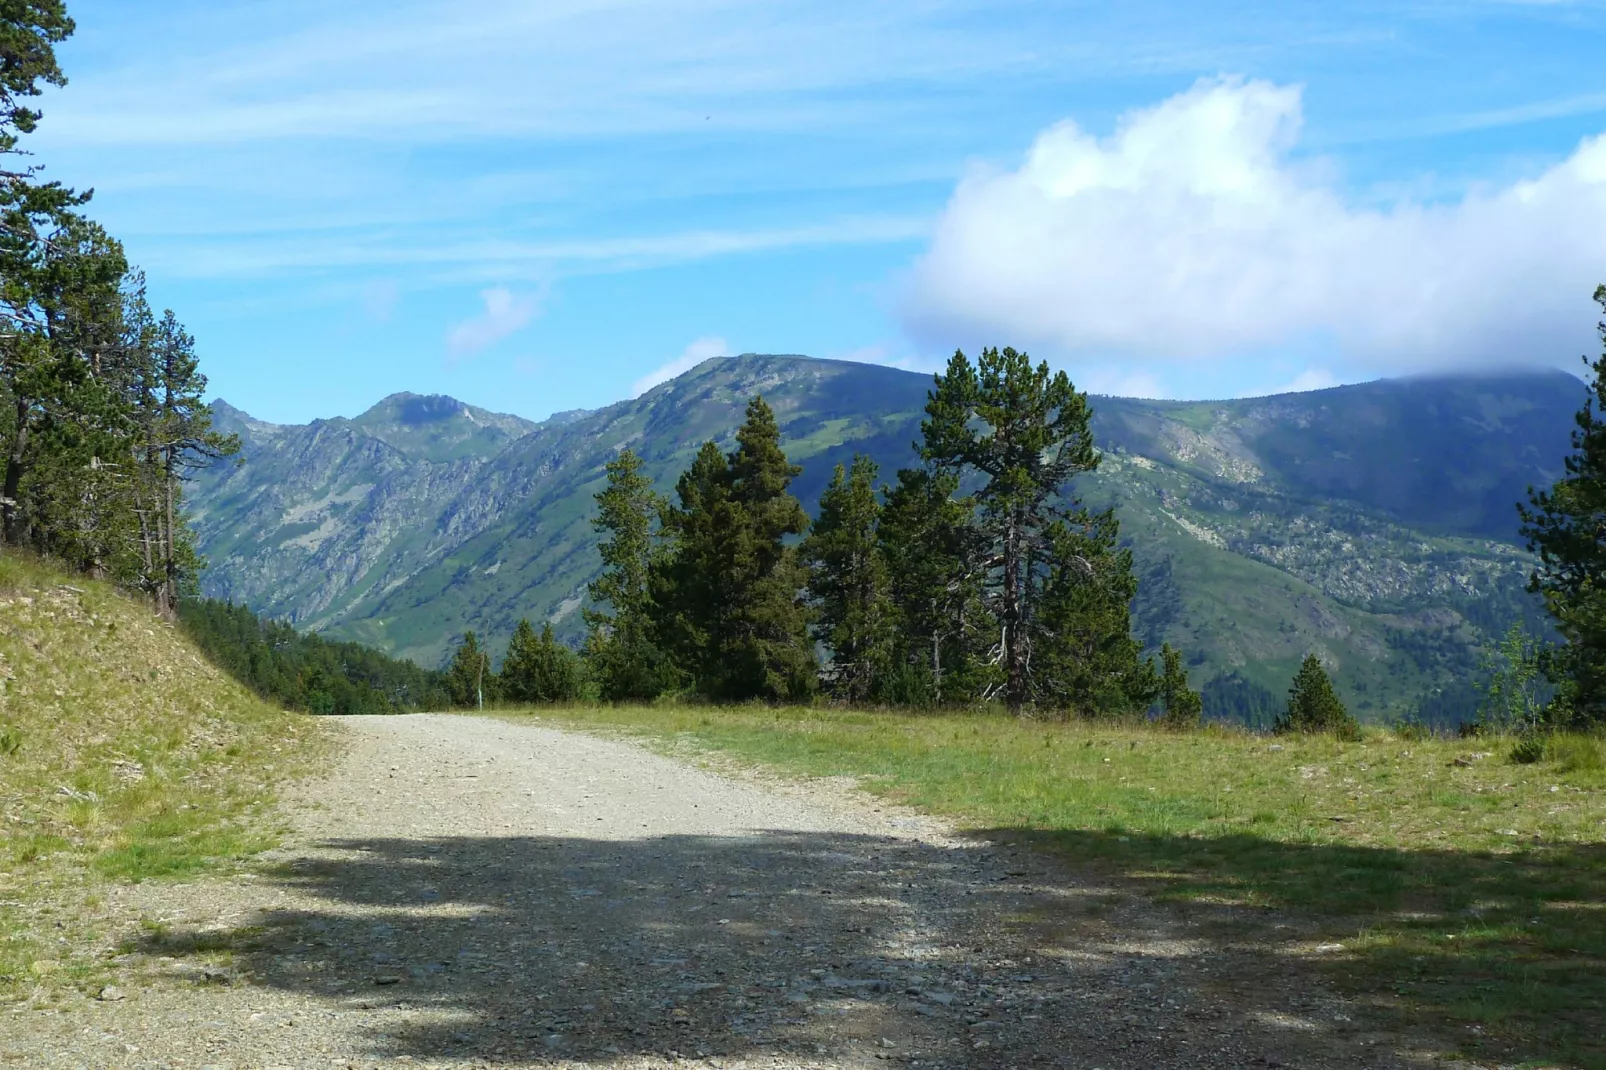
(468, 892)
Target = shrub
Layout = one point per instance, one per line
(1528, 749)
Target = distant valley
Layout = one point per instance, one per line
(1374, 524)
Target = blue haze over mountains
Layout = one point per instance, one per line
(1374, 524)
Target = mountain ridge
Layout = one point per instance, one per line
(1292, 502)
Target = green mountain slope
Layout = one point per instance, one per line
(1371, 523)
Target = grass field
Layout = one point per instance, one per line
(1463, 892)
(124, 755)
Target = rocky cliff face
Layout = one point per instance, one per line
(1373, 523)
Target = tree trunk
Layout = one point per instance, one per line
(169, 601)
(1014, 652)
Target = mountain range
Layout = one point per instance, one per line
(1373, 524)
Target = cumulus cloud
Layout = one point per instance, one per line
(700, 350)
(504, 314)
(1193, 232)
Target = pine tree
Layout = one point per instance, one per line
(1313, 705)
(1050, 579)
(1566, 525)
(1181, 706)
(29, 33)
(468, 676)
(730, 597)
(101, 417)
(1084, 656)
(940, 626)
(621, 649)
(178, 439)
(692, 583)
(538, 669)
(848, 581)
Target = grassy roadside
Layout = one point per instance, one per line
(124, 755)
(1435, 880)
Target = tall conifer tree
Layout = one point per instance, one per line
(1055, 587)
(468, 675)
(622, 649)
(1566, 525)
(848, 581)
(733, 604)
(538, 669)
(932, 554)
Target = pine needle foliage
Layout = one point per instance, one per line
(848, 582)
(1566, 526)
(730, 591)
(101, 413)
(941, 629)
(538, 669)
(622, 652)
(1314, 707)
(1181, 707)
(469, 679)
(306, 671)
(1050, 575)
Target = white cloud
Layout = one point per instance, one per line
(1122, 384)
(504, 314)
(700, 350)
(499, 256)
(1193, 232)
(1309, 379)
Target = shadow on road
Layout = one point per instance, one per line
(823, 944)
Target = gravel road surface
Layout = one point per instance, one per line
(469, 892)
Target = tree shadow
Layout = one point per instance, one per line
(819, 945)
(1497, 953)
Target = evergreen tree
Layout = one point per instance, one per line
(468, 675)
(29, 34)
(848, 581)
(178, 439)
(308, 672)
(1051, 579)
(940, 624)
(538, 669)
(1181, 706)
(621, 650)
(1566, 525)
(731, 594)
(1313, 705)
(1080, 625)
(692, 583)
(101, 417)
(59, 279)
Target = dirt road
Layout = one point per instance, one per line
(469, 892)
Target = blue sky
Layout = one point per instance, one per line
(543, 206)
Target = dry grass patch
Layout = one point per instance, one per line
(124, 755)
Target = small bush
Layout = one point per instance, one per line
(1528, 749)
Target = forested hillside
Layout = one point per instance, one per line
(304, 671)
(1374, 523)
